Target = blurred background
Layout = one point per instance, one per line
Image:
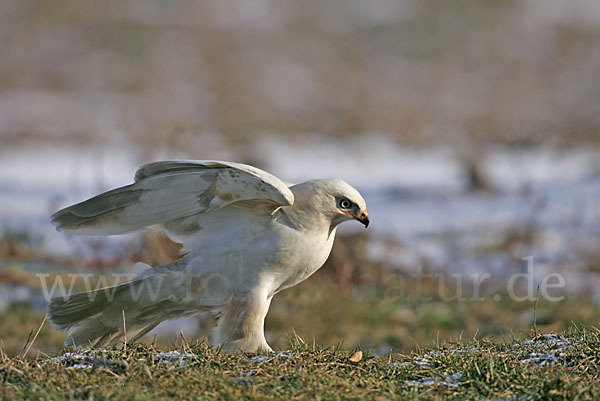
(472, 128)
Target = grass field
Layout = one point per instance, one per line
(541, 367)
(418, 337)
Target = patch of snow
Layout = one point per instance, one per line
(176, 358)
(515, 398)
(422, 361)
(450, 381)
(548, 349)
(248, 373)
(88, 360)
(277, 354)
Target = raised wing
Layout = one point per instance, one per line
(169, 190)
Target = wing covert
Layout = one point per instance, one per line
(168, 190)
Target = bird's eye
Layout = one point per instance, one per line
(345, 204)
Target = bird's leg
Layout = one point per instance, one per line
(241, 325)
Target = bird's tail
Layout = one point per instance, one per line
(101, 317)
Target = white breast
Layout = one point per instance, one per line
(255, 250)
(297, 263)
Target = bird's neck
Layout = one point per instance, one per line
(307, 211)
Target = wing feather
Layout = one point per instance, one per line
(170, 190)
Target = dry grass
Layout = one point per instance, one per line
(558, 367)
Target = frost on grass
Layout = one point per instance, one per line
(427, 359)
(95, 359)
(515, 398)
(422, 361)
(176, 358)
(545, 349)
(450, 381)
(89, 360)
(416, 360)
(279, 354)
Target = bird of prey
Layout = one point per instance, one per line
(246, 236)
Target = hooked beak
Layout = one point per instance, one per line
(363, 218)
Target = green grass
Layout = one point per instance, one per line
(471, 370)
